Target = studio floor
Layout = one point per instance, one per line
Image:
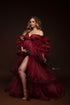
(5, 99)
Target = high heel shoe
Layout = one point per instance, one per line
(24, 98)
(25, 95)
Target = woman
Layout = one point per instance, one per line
(33, 78)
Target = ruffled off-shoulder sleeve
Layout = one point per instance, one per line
(39, 46)
(19, 44)
(45, 46)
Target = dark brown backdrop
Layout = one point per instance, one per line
(55, 22)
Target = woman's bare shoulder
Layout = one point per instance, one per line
(41, 32)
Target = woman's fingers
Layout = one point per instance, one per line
(45, 60)
(24, 50)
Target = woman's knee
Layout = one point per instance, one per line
(21, 72)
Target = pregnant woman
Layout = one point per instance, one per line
(32, 76)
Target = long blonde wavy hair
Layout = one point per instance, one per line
(29, 28)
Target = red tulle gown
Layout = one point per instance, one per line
(41, 83)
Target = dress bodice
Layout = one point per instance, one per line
(33, 37)
(35, 44)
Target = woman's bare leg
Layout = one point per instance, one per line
(21, 71)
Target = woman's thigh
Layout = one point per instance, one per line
(24, 63)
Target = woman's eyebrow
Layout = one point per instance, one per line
(32, 21)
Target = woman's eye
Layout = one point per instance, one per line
(31, 21)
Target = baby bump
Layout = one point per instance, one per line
(27, 44)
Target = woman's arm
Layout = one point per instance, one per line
(44, 57)
(23, 50)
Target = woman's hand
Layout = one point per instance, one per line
(23, 50)
(44, 59)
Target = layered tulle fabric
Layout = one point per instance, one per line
(37, 45)
(41, 83)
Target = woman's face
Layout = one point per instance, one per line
(32, 22)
